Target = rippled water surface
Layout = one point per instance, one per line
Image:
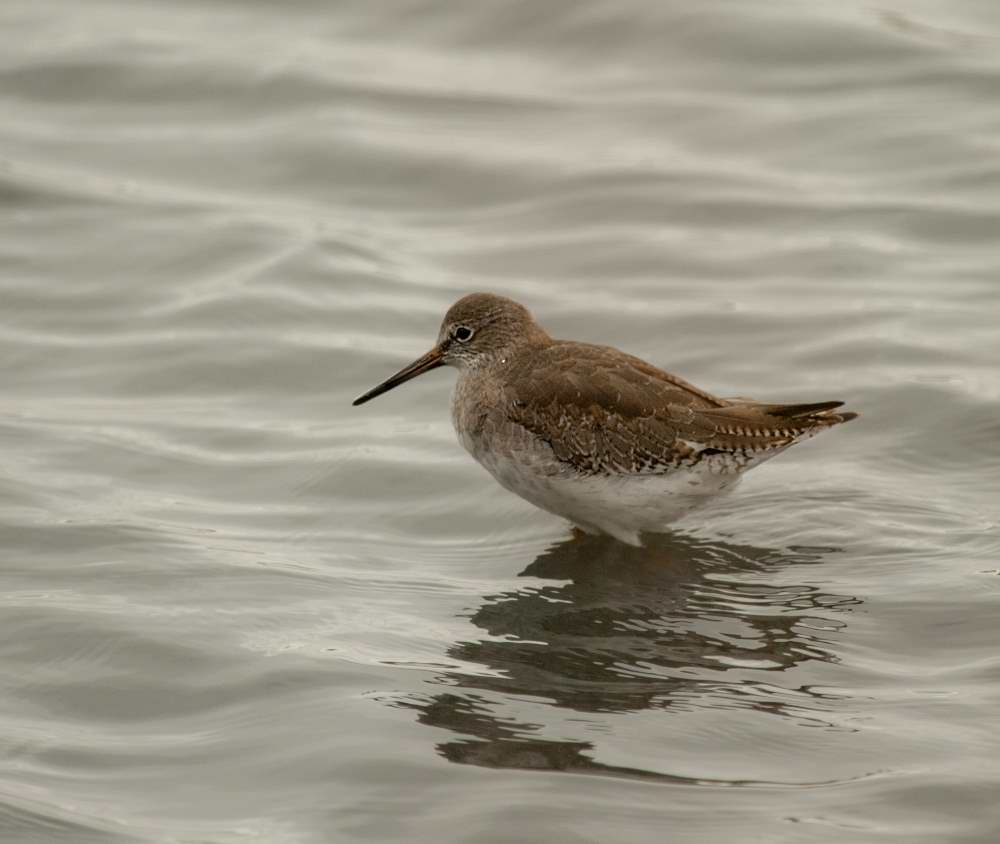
(237, 609)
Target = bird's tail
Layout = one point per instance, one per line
(820, 413)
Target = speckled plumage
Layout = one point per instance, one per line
(590, 433)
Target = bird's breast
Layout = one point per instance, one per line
(472, 406)
(485, 429)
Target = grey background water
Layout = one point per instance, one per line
(237, 609)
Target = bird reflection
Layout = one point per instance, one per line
(682, 623)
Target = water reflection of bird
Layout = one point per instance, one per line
(684, 623)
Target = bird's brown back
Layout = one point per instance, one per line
(602, 410)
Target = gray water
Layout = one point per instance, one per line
(237, 609)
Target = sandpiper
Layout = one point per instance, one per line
(593, 434)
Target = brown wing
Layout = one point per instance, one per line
(602, 410)
(586, 374)
(756, 427)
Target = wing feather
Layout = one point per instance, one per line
(601, 410)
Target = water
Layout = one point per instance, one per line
(237, 609)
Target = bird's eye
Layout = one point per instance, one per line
(463, 334)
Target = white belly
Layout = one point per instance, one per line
(620, 505)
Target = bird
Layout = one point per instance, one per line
(592, 434)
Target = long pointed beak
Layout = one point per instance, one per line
(432, 360)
